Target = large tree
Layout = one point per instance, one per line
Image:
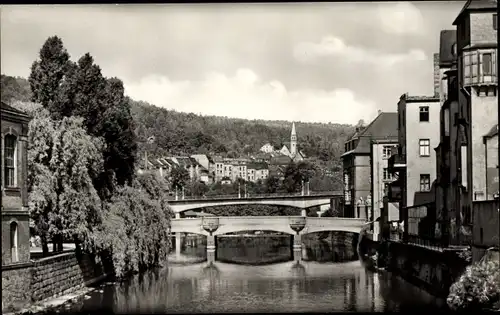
(62, 160)
(70, 89)
(48, 72)
(136, 225)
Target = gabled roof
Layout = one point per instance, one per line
(446, 41)
(476, 5)
(384, 126)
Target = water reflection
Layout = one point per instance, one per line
(246, 278)
(283, 287)
(268, 249)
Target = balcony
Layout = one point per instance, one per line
(396, 163)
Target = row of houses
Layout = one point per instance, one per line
(433, 164)
(207, 169)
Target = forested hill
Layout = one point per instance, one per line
(187, 133)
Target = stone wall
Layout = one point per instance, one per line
(50, 277)
(432, 270)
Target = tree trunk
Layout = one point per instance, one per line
(78, 249)
(54, 244)
(60, 242)
(45, 245)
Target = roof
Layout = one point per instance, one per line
(476, 5)
(16, 111)
(419, 98)
(384, 126)
(257, 166)
(446, 41)
(493, 132)
(281, 160)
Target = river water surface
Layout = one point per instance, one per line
(316, 284)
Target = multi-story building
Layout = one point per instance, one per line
(356, 161)
(15, 214)
(380, 152)
(477, 115)
(478, 87)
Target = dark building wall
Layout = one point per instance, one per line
(431, 270)
(485, 230)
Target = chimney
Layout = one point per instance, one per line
(436, 75)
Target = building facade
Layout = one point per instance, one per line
(356, 161)
(478, 82)
(380, 152)
(15, 214)
(418, 136)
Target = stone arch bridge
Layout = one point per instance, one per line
(294, 225)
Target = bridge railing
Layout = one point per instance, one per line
(250, 196)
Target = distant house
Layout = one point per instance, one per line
(267, 148)
(256, 171)
(280, 160)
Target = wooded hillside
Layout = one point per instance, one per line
(187, 133)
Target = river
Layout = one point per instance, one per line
(324, 281)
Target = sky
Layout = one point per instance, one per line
(324, 62)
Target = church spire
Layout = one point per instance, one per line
(293, 141)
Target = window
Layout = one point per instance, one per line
(425, 147)
(10, 161)
(487, 64)
(495, 21)
(386, 151)
(425, 182)
(13, 242)
(386, 175)
(424, 113)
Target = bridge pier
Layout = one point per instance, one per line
(211, 248)
(178, 243)
(303, 213)
(297, 247)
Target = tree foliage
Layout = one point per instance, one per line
(136, 225)
(69, 89)
(477, 289)
(179, 177)
(62, 160)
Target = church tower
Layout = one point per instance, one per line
(293, 141)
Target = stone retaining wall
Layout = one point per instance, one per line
(49, 277)
(432, 270)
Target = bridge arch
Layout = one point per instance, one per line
(301, 202)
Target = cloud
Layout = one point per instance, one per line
(334, 46)
(400, 18)
(245, 95)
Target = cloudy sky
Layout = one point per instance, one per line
(325, 62)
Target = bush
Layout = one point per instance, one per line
(477, 289)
